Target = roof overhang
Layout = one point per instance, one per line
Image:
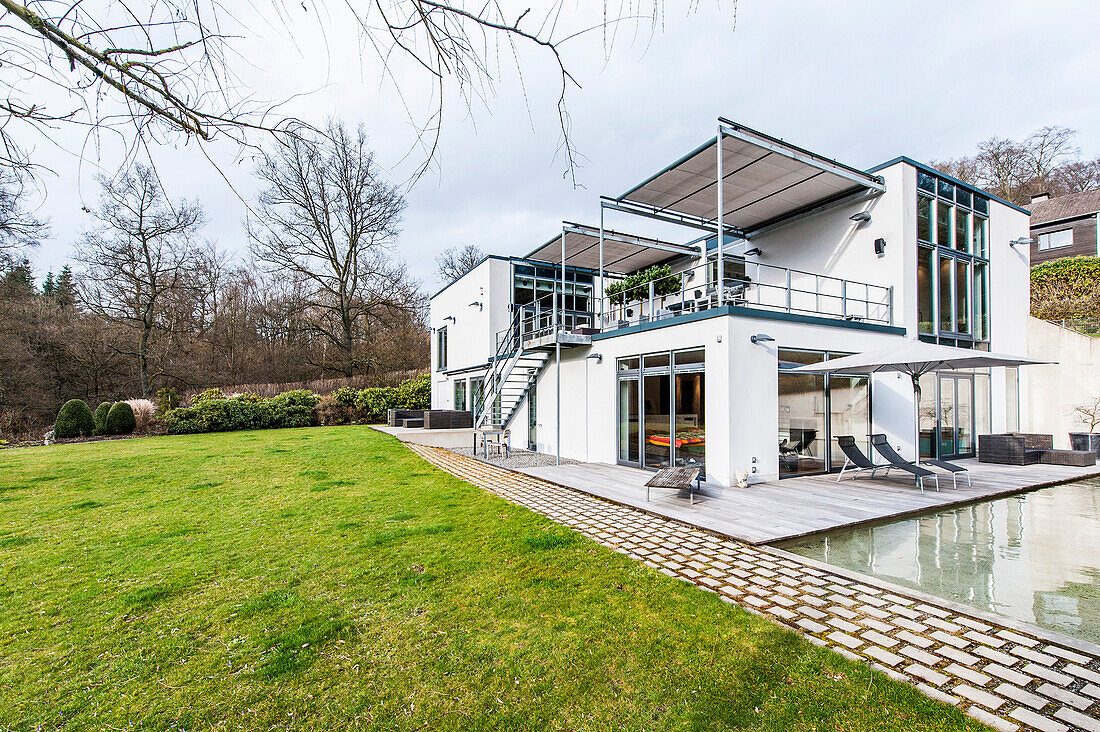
(765, 181)
(622, 253)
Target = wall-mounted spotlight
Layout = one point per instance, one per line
(880, 247)
(477, 305)
(761, 338)
(860, 217)
(753, 252)
(597, 356)
(1022, 241)
(450, 318)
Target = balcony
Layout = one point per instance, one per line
(747, 285)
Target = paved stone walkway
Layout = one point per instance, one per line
(1006, 679)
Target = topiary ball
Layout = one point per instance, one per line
(100, 417)
(74, 420)
(121, 420)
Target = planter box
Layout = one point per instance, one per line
(1089, 441)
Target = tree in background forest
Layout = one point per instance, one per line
(1046, 161)
(455, 262)
(327, 220)
(141, 256)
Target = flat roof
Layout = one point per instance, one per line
(622, 253)
(764, 180)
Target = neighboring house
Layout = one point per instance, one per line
(818, 259)
(1064, 226)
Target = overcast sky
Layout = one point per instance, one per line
(859, 82)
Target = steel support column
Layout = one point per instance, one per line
(721, 284)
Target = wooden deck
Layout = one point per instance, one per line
(769, 512)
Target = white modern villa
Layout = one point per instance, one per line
(604, 345)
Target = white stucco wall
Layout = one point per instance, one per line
(471, 338)
(1053, 391)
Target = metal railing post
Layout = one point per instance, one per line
(844, 299)
(788, 290)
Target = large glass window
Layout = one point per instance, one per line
(924, 218)
(962, 230)
(441, 349)
(943, 223)
(947, 279)
(962, 296)
(460, 395)
(849, 412)
(952, 264)
(1012, 400)
(925, 315)
(629, 420)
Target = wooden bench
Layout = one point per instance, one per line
(678, 477)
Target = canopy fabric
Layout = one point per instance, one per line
(764, 181)
(916, 358)
(622, 253)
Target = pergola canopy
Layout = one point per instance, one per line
(622, 253)
(765, 180)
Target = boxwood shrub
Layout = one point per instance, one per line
(211, 411)
(100, 418)
(74, 420)
(120, 420)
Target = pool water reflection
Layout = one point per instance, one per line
(1033, 557)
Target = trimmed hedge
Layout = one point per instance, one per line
(211, 411)
(120, 420)
(74, 420)
(100, 418)
(1066, 288)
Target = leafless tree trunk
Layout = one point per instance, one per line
(327, 220)
(141, 256)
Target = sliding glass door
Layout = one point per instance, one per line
(661, 418)
(816, 408)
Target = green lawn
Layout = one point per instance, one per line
(328, 578)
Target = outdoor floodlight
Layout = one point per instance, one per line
(1022, 241)
(860, 217)
(761, 338)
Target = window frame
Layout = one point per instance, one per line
(441, 349)
(1051, 247)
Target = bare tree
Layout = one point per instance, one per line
(1088, 413)
(20, 228)
(150, 69)
(141, 256)
(454, 262)
(329, 221)
(1046, 161)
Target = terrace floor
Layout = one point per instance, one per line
(769, 512)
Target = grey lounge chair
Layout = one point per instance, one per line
(941, 464)
(897, 461)
(854, 459)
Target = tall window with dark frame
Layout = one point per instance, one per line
(441, 349)
(952, 263)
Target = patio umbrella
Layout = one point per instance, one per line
(916, 358)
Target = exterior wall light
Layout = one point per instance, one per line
(761, 338)
(477, 305)
(753, 252)
(597, 356)
(450, 318)
(860, 217)
(1022, 241)
(880, 247)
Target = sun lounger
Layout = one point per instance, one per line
(854, 459)
(950, 467)
(897, 461)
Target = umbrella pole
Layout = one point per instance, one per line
(916, 427)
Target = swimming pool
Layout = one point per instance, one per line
(1034, 557)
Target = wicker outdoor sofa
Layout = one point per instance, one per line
(1024, 448)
